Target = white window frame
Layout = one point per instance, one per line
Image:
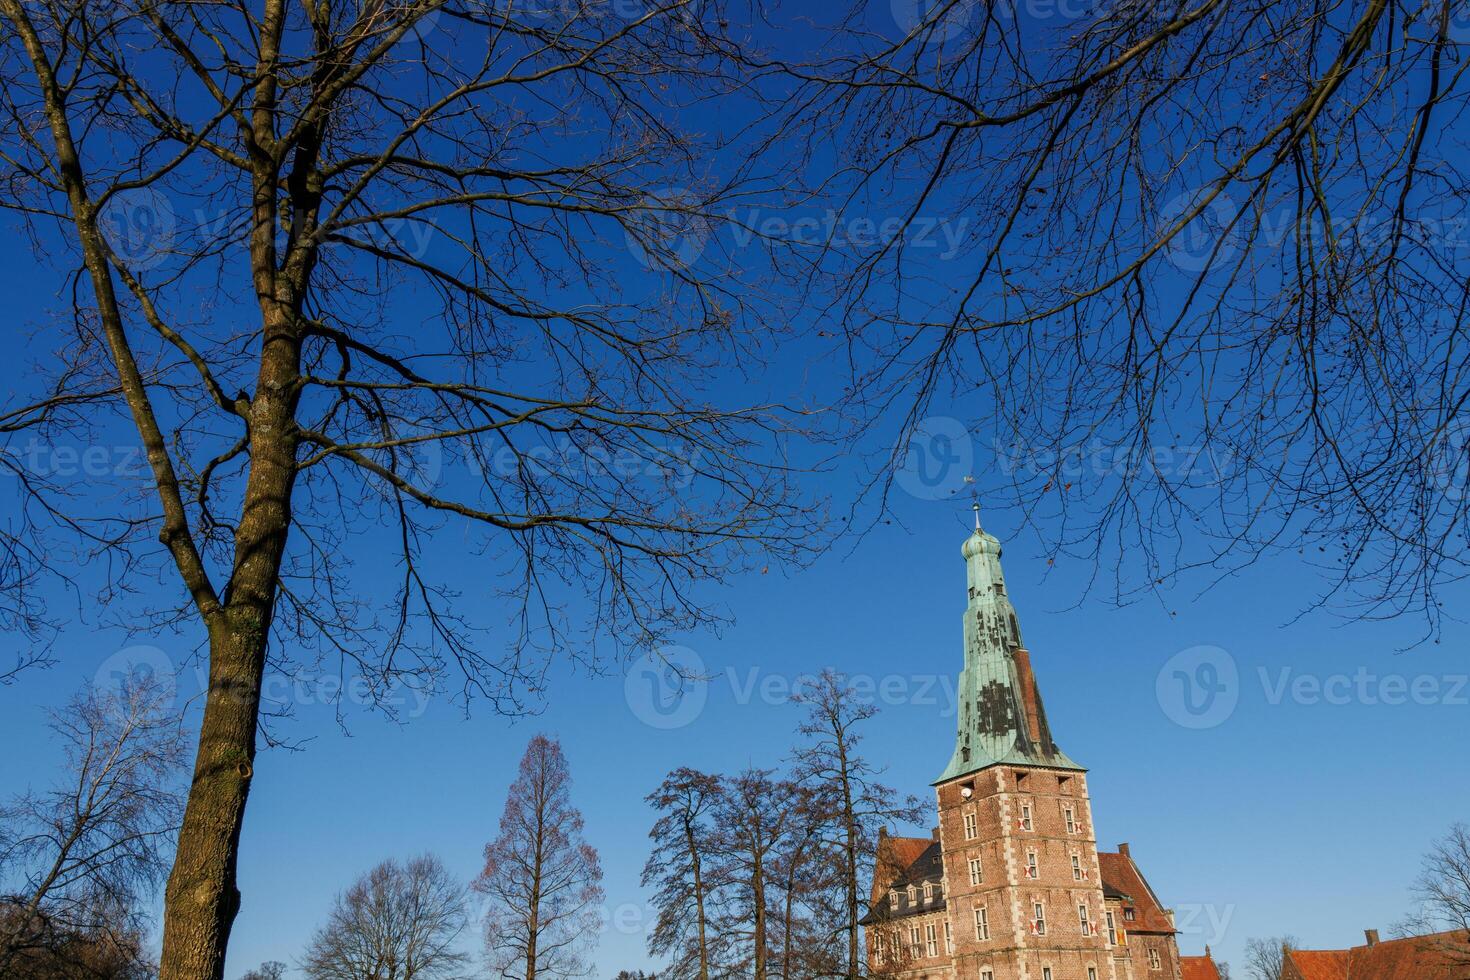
(1084, 918)
(1155, 961)
(1033, 866)
(948, 938)
(916, 945)
(1027, 824)
(893, 899)
(928, 891)
(1038, 917)
(931, 939)
(1071, 820)
(1076, 867)
(1112, 928)
(977, 871)
(982, 924)
(913, 895)
(972, 829)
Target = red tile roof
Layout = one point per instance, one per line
(1441, 956)
(895, 855)
(1121, 874)
(1199, 968)
(1321, 964)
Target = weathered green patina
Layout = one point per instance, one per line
(995, 723)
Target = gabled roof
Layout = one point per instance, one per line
(927, 867)
(895, 856)
(1122, 879)
(1439, 956)
(1199, 967)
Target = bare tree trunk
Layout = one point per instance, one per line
(701, 916)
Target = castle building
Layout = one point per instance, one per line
(1011, 885)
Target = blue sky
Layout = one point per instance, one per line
(1273, 772)
(1299, 811)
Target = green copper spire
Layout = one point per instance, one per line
(1001, 719)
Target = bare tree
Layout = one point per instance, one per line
(542, 881)
(397, 922)
(1442, 892)
(77, 861)
(1210, 288)
(831, 763)
(683, 873)
(1265, 957)
(353, 283)
(269, 970)
(758, 816)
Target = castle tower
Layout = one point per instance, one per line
(1022, 882)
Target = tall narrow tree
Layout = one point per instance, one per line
(542, 881)
(442, 288)
(757, 814)
(682, 872)
(830, 762)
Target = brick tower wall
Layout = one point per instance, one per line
(998, 800)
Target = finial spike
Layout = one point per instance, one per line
(976, 508)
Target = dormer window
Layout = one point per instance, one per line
(893, 899)
(1129, 915)
(913, 893)
(928, 891)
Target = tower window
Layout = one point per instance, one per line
(987, 975)
(971, 829)
(1112, 930)
(1032, 871)
(1071, 820)
(948, 938)
(1038, 924)
(1082, 920)
(1092, 973)
(977, 873)
(1076, 868)
(982, 924)
(1154, 962)
(1046, 973)
(1026, 823)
